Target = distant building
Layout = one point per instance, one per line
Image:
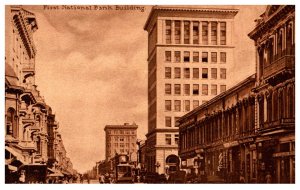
(189, 52)
(121, 139)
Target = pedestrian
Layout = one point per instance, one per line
(22, 177)
(102, 179)
(88, 179)
(268, 178)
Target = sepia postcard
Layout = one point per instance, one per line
(149, 94)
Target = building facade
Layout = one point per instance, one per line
(251, 134)
(274, 37)
(121, 139)
(27, 116)
(189, 53)
(215, 138)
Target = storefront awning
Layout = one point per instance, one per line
(15, 154)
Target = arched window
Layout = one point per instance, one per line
(38, 145)
(275, 106)
(270, 51)
(261, 110)
(281, 111)
(289, 39)
(269, 108)
(291, 104)
(279, 44)
(11, 124)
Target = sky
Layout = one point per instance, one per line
(91, 68)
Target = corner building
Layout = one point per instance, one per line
(189, 53)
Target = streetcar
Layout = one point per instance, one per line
(124, 170)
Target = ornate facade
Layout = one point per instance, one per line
(28, 123)
(274, 37)
(253, 136)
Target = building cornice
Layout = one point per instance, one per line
(268, 22)
(156, 9)
(21, 19)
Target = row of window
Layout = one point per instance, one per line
(195, 91)
(195, 57)
(191, 32)
(122, 132)
(195, 74)
(168, 119)
(122, 145)
(121, 139)
(177, 105)
(122, 151)
(168, 139)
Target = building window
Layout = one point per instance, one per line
(214, 57)
(204, 57)
(195, 32)
(195, 103)
(195, 89)
(214, 89)
(223, 33)
(195, 56)
(168, 139)
(214, 33)
(205, 33)
(223, 57)
(222, 88)
(167, 72)
(186, 32)
(122, 139)
(195, 73)
(204, 73)
(186, 89)
(177, 56)
(187, 105)
(204, 89)
(168, 31)
(168, 89)
(11, 123)
(121, 132)
(177, 72)
(177, 89)
(168, 121)
(176, 121)
(214, 73)
(223, 73)
(186, 56)
(176, 139)
(38, 145)
(177, 32)
(187, 73)
(177, 105)
(168, 105)
(168, 56)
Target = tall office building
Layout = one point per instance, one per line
(121, 139)
(189, 53)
